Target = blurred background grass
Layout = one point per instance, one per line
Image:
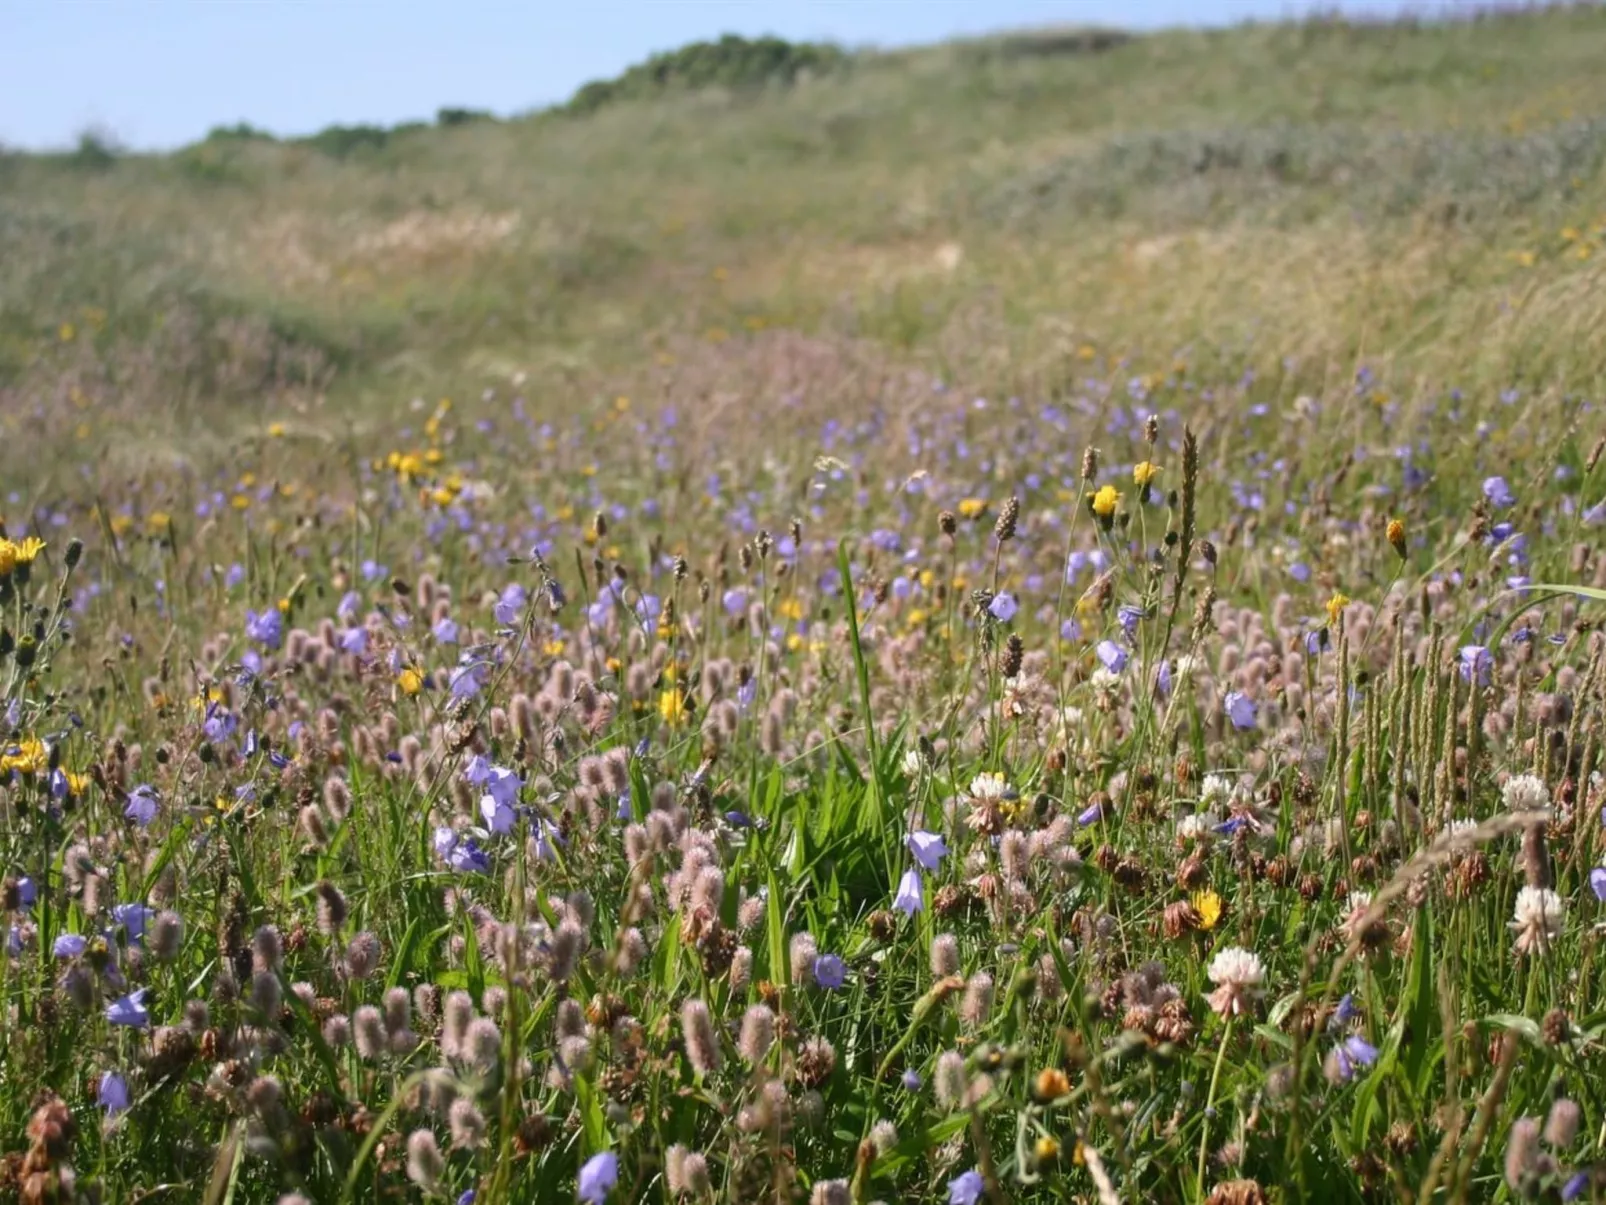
(1428, 197)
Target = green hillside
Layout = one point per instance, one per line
(1428, 194)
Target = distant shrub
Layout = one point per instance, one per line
(732, 62)
(1047, 43)
(462, 117)
(341, 142)
(214, 161)
(97, 151)
(241, 131)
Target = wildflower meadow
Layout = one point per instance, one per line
(666, 724)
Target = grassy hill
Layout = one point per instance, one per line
(1429, 196)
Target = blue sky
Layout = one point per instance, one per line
(159, 73)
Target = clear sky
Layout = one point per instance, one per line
(159, 73)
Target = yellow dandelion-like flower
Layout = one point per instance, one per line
(1396, 536)
(410, 681)
(672, 706)
(972, 508)
(1208, 905)
(27, 756)
(1143, 472)
(1105, 501)
(1047, 1148)
(1335, 607)
(8, 557)
(275, 430)
(28, 549)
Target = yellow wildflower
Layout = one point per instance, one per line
(1396, 536)
(28, 549)
(8, 557)
(672, 706)
(1105, 501)
(1143, 472)
(410, 681)
(972, 508)
(275, 430)
(27, 756)
(1208, 905)
(1051, 1084)
(1335, 607)
(1047, 1148)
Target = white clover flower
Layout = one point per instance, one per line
(1537, 918)
(1524, 793)
(1201, 826)
(988, 786)
(1104, 682)
(914, 762)
(1238, 975)
(1217, 789)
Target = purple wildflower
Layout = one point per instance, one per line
(1477, 663)
(1353, 1053)
(129, 1010)
(1597, 882)
(966, 1189)
(141, 806)
(69, 945)
(1112, 655)
(133, 918)
(908, 899)
(265, 627)
(112, 1093)
(829, 971)
(928, 848)
(598, 1176)
(1240, 710)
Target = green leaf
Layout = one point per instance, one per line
(1417, 1016)
(1593, 593)
(776, 923)
(404, 953)
(471, 960)
(593, 1124)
